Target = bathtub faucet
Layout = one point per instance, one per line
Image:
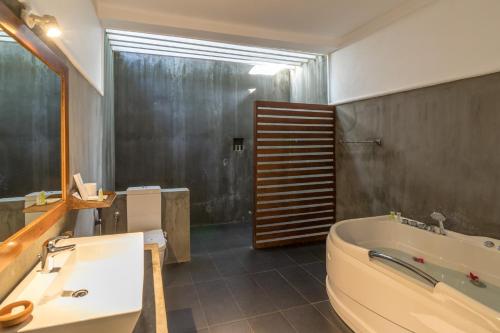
(440, 218)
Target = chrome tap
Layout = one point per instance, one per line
(49, 247)
(440, 218)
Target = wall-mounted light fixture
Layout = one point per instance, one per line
(47, 22)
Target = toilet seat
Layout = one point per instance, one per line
(157, 237)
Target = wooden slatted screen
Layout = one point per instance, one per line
(294, 173)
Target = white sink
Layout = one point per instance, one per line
(111, 268)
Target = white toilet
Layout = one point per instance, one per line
(144, 215)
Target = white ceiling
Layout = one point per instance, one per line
(307, 25)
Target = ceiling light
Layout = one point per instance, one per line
(267, 69)
(46, 22)
(251, 90)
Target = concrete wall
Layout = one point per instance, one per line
(11, 217)
(439, 152)
(29, 123)
(175, 120)
(444, 41)
(309, 83)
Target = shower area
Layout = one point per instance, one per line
(184, 116)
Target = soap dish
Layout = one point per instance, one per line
(8, 319)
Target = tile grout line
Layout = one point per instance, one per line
(288, 321)
(314, 277)
(198, 298)
(229, 289)
(293, 287)
(321, 313)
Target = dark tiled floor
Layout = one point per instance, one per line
(229, 287)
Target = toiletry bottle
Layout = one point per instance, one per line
(41, 198)
(398, 217)
(100, 196)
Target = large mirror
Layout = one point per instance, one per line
(30, 137)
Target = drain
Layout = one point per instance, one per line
(80, 293)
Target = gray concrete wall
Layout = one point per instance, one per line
(11, 217)
(309, 83)
(175, 120)
(439, 152)
(29, 124)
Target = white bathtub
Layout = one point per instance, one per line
(375, 295)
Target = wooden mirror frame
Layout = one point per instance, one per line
(13, 246)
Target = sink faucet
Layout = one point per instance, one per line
(440, 218)
(49, 247)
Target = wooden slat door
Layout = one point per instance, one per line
(294, 173)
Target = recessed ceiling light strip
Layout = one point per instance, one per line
(202, 53)
(306, 56)
(184, 55)
(146, 41)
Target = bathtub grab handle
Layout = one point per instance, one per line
(419, 272)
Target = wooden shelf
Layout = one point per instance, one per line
(76, 204)
(41, 208)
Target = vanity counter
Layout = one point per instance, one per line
(153, 318)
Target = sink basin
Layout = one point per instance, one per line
(105, 271)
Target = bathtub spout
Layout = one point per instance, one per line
(440, 218)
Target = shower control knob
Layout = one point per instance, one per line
(489, 244)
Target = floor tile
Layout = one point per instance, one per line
(282, 294)
(300, 254)
(185, 320)
(217, 302)
(271, 323)
(227, 263)
(176, 275)
(319, 250)
(185, 313)
(180, 297)
(235, 327)
(251, 298)
(230, 287)
(329, 313)
(306, 319)
(305, 284)
(317, 269)
(202, 268)
(263, 260)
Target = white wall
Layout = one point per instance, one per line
(445, 41)
(83, 37)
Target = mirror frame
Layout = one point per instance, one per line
(13, 246)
